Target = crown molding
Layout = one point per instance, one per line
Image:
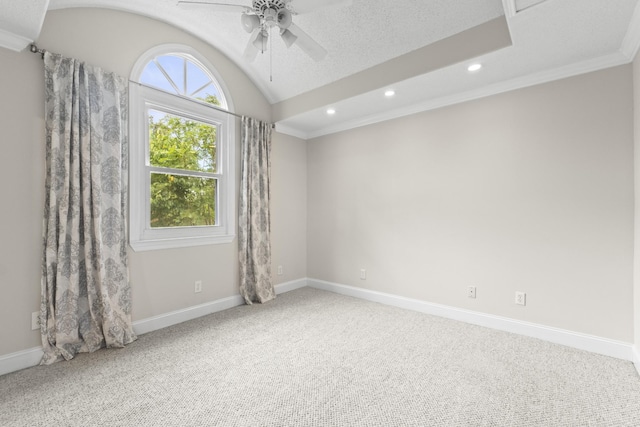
(631, 42)
(291, 131)
(509, 8)
(13, 41)
(584, 67)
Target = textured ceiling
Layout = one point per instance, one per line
(552, 40)
(20, 22)
(357, 34)
(549, 39)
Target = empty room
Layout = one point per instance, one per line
(320, 213)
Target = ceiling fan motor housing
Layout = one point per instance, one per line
(273, 12)
(264, 15)
(260, 6)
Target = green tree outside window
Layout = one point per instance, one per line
(184, 195)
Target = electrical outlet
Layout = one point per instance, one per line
(521, 298)
(471, 291)
(198, 286)
(280, 270)
(35, 320)
(363, 274)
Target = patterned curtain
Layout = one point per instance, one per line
(86, 298)
(254, 239)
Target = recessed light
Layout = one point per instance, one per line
(390, 93)
(331, 111)
(474, 67)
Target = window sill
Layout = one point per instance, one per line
(185, 242)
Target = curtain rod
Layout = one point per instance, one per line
(35, 49)
(215, 107)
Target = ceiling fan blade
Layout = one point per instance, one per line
(251, 51)
(306, 6)
(307, 44)
(221, 7)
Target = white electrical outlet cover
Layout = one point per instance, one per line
(35, 320)
(471, 292)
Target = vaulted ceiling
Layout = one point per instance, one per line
(418, 48)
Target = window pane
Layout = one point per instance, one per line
(208, 94)
(196, 78)
(153, 77)
(174, 67)
(182, 76)
(180, 143)
(182, 201)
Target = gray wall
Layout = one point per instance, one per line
(528, 191)
(289, 208)
(636, 278)
(22, 195)
(162, 281)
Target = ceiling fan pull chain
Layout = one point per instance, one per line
(270, 58)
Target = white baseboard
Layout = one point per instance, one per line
(173, 318)
(20, 360)
(594, 344)
(27, 358)
(290, 286)
(636, 358)
(621, 350)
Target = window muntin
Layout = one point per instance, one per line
(182, 75)
(182, 167)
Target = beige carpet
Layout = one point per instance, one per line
(313, 358)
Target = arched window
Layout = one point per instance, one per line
(181, 152)
(181, 74)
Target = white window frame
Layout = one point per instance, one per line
(142, 236)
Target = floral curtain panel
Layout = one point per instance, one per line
(86, 297)
(254, 238)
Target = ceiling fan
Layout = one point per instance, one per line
(265, 15)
